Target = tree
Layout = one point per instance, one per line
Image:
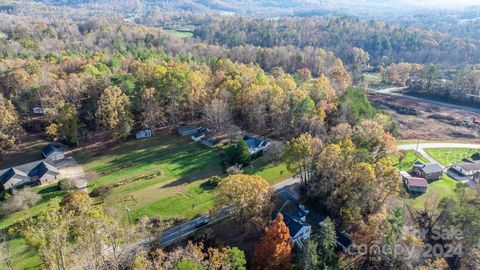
(188, 265)
(239, 153)
(6, 249)
(275, 247)
(327, 243)
(217, 114)
(48, 234)
(308, 258)
(153, 114)
(237, 259)
(9, 126)
(113, 111)
(248, 197)
(299, 155)
(69, 125)
(20, 199)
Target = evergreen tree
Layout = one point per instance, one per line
(239, 153)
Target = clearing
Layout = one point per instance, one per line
(449, 156)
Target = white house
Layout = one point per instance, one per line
(467, 167)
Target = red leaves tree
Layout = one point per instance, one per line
(275, 248)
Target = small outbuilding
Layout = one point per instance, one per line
(416, 184)
(188, 130)
(146, 133)
(53, 153)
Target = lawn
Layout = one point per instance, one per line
(449, 156)
(181, 190)
(407, 162)
(444, 188)
(181, 33)
(273, 172)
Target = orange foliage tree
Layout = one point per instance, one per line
(274, 252)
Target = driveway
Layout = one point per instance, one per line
(70, 169)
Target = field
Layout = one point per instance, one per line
(180, 33)
(443, 188)
(409, 157)
(449, 156)
(433, 122)
(179, 191)
(436, 191)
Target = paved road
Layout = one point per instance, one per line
(173, 234)
(392, 91)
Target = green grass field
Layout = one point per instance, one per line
(180, 191)
(443, 188)
(181, 33)
(449, 156)
(409, 158)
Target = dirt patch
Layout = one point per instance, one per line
(433, 122)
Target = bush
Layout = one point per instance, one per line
(214, 181)
(21, 199)
(101, 192)
(66, 184)
(235, 169)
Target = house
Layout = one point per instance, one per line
(429, 171)
(414, 184)
(38, 110)
(12, 178)
(467, 167)
(188, 130)
(294, 216)
(255, 145)
(53, 153)
(38, 172)
(44, 173)
(146, 133)
(41, 111)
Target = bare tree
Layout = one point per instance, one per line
(217, 114)
(5, 249)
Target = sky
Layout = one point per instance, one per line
(451, 3)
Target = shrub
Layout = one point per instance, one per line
(101, 192)
(214, 181)
(235, 169)
(66, 184)
(21, 199)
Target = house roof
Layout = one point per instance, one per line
(11, 173)
(294, 225)
(187, 128)
(418, 163)
(42, 168)
(469, 165)
(253, 142)
(32, 169)
(416, 182)
(294, 210)
(49, 149)
(432, 168)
